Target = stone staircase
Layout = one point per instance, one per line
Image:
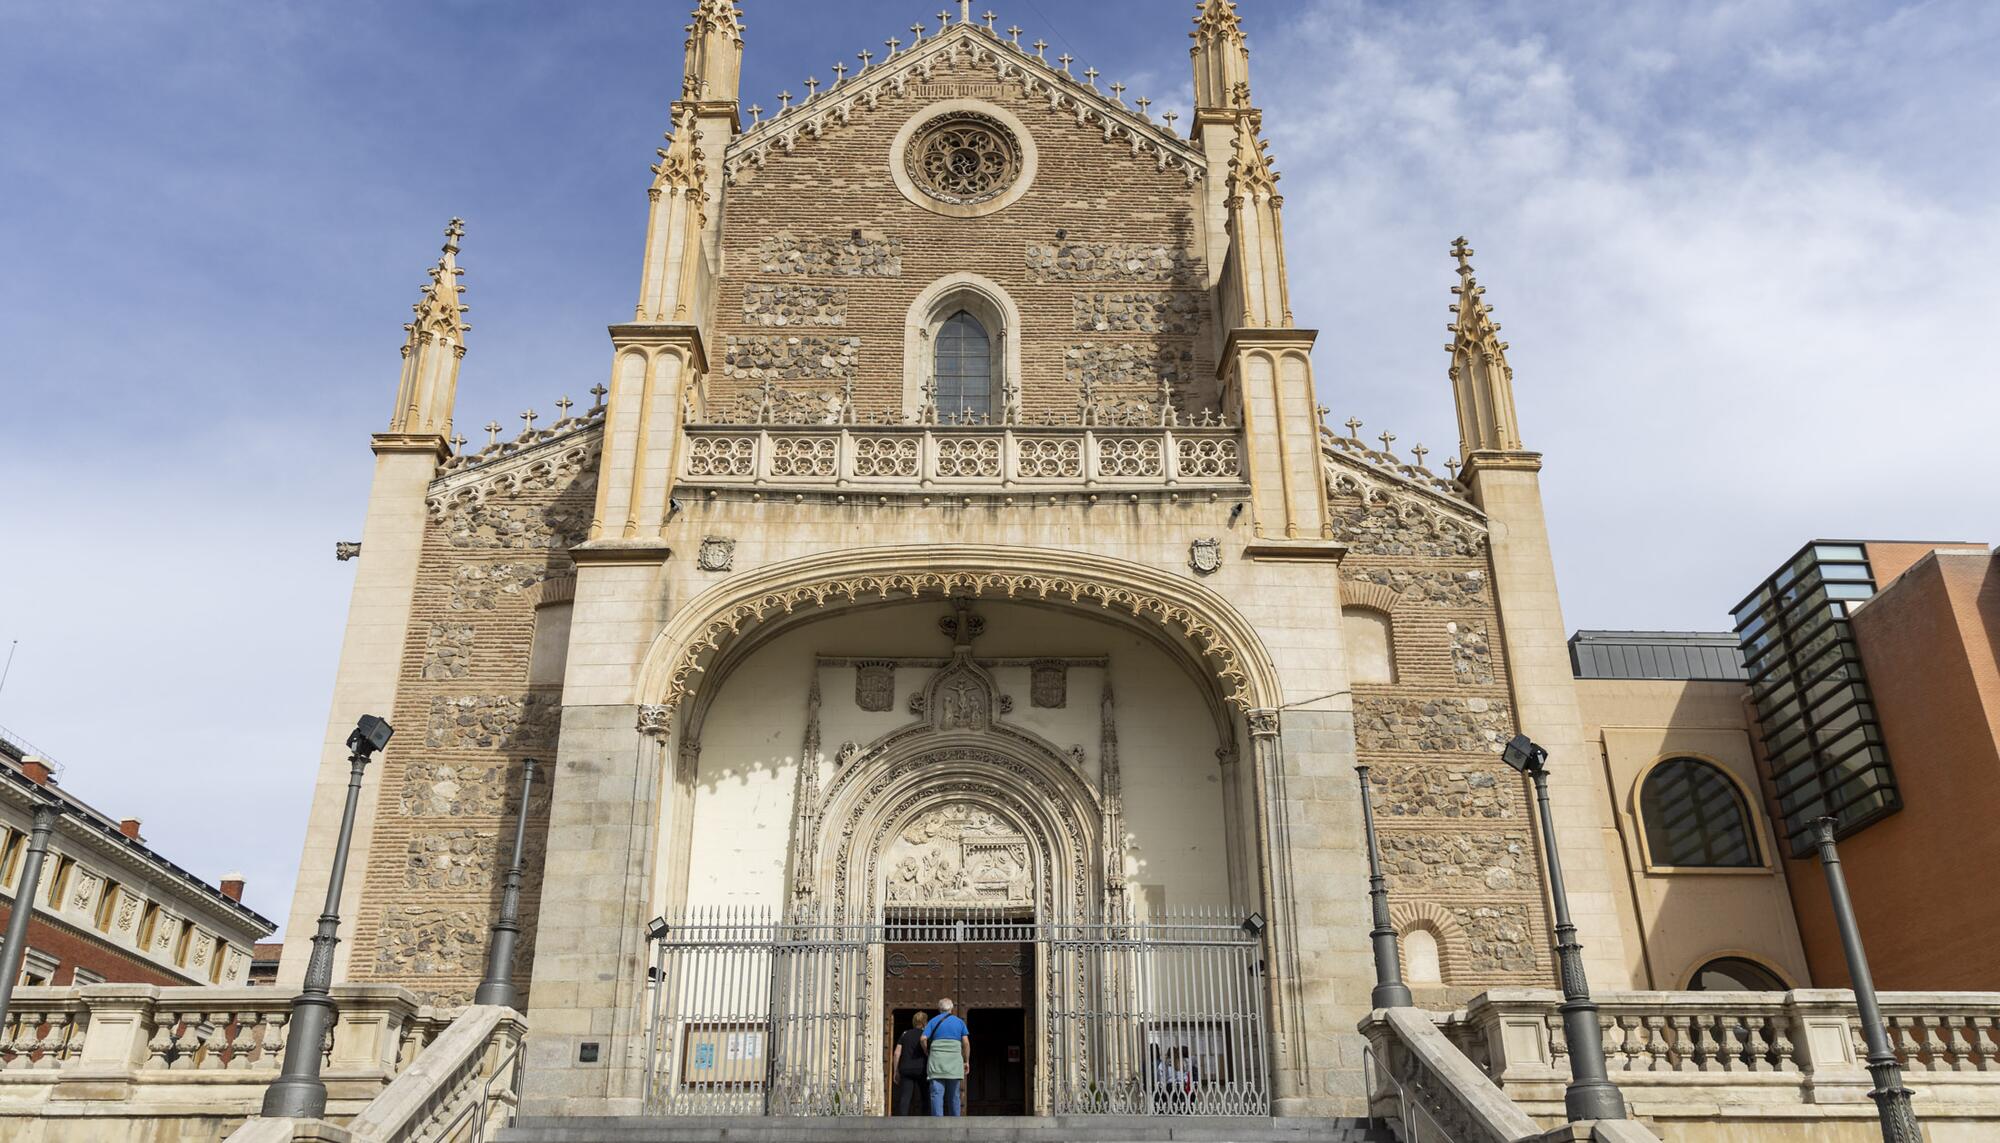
(1058, 1129)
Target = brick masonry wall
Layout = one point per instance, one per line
(1454, 820)
(465, 719)
(821, 237)
(74, 949)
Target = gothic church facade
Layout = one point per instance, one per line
(956, 533)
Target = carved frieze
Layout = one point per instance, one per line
(961, 853)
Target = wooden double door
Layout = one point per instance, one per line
(992, 988)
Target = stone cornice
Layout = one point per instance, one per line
(1250, 337)
(1493, 461)
(663, 335)
(586, 432)
(835, 108)
(433, 443)
(620, 553)
(1295, 551)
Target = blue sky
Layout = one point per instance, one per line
(1742, 251)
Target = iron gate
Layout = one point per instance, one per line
(753, 1014)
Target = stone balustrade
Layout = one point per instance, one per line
(900, 457)
(1691, 1062)
(106, 1062)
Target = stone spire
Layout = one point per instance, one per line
(1481, 380)
(1221, 59)
(435, 346)
(678, 218)
(1256, 236)
(714, 69)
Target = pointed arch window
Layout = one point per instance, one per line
(964, 371)
(1695, 816)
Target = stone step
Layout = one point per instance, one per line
(1057, 1129)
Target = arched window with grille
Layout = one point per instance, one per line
(1695, 817)
(964, 371)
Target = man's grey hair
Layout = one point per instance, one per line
(944, 1004)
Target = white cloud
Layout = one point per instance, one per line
(1735, 327)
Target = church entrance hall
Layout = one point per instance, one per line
(987, 967)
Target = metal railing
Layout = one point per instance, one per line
(756, 1014)
(961, 457)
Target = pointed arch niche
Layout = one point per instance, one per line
(962, 296)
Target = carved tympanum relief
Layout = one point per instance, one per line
(957, 854)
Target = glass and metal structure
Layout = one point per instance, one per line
(1822, 741)
(1695, 818)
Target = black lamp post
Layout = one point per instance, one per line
(1390, 991)
(1591, 1094)
(47, 810)
(498, 986)
(298, 1092)
(1892, 1099)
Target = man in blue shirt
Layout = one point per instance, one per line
(949, 1045)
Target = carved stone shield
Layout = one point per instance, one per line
(1205, 556)
(716, 554)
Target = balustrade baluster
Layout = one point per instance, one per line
(1558, 1043)
(1986, 1041)
(271, 1033)
(1783, 1047)
(1707, 1048)
(215, 1046)
(243, 1043)
(48, 1045)
(187, 1044)
(1936, 1050)
(1732, 1043)
(161, 1043)
(1657, 1046)
(1759, 1049)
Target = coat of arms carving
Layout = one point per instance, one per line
(875, 686)
(1205, 556)
(716, 554)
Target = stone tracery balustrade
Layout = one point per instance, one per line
(205, 1053)
(1681, 1055)
(972, 458)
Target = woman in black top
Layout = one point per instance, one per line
(911, 1067)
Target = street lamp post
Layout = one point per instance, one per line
(1390, 991)
(1892, 1099)
(498, 987)
(298, 1092)
(1591, 1094)
(47, 810)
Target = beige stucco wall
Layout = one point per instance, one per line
(1676, 919)
(754, 732)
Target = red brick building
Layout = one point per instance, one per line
(109, 907)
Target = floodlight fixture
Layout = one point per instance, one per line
(370, 735)
(1524, 755)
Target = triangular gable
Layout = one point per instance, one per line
(963, 45)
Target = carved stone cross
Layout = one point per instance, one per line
(756, 115)
(989, 17)
(458, 443)
(600, 392)
(1014, 33)
(564, 405)
(528, 421)
(493, 433)
(1354, 427)
(1451, 466)
(784, 102)
(1463, 252)
(812, 86)
(1091, 74)
(839, 74)
(894, 45)
(866, 58)
(1172, 117)
(944, 18)
(1041, 50)
(1144, 106)
(1387, 439)
(918, 30)
(1118, 92)
(1420, 452)
(1065, 60)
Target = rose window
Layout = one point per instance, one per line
(964, 159)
